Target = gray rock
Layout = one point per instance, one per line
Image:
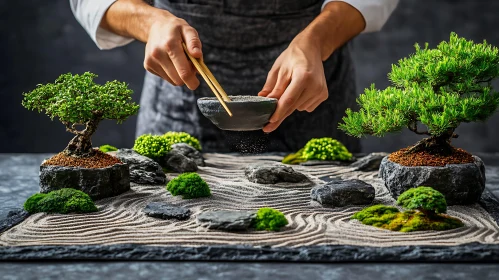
(143, 170)
(339, 193)
(272, 173)
(13, 218)
(226, 220)
(188, 151)
(166, 211)
(459, 183)
(96, 182)
(180, 163)
(370, 162)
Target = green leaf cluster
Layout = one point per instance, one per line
(78, 99)
(439, 88)
(174, 137)
(189, 185)
(428, 201)
(107, 148)
(423, 199)
(325, 148)
(61, 201)
(269, 219)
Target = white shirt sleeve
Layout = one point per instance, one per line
(89, 14)
(375, 12)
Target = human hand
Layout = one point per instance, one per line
(297, 79)
(165, 55)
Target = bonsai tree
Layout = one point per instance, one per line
(439, 88)
(61, 201)
(188, 185)
(424, 199)
(325, 148)
(269, 219)
(80, 104)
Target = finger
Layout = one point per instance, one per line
(283, 81)
(183, 67)
(156, 69)
(314, 106)
(269, 83)
(287, 102)
(191, 39)
(273, 126)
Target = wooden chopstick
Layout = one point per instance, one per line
(202, 71)
(214, 80)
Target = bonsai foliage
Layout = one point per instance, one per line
(438, 88)
(189, 185)
(152, 146)
(269, 219)
(429, 203)
(80, 104)
(424, 199)
(320, 149)
(61, 201)
(107, 148)
(182, 137)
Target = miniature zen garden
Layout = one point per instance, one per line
(166, 180)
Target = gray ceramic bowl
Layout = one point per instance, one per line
(248, 112)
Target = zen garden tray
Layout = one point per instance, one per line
(121, 231)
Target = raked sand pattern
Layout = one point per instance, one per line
(120, 219)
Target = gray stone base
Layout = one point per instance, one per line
(96, 182)
(459, 183)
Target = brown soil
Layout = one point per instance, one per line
(98, 160)
(458, 156)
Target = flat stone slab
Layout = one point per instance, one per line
(143, 170)
(459, 183)
(339, 193)
(226, 220)
(13, 218)
(166, 211)
(98, 183)
(272, 173)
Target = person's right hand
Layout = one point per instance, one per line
(165, 55)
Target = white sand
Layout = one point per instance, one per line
(120, 219)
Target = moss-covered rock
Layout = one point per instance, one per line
(107, 148)
(424, 199)
(182, 137)
(325, 148)
(61, 201)
(152, 146)
(269, 219)
(188, 185)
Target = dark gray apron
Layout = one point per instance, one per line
(241, 40)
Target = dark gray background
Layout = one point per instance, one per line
(40, 40)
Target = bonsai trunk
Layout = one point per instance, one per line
(439, 145)
(81, 144)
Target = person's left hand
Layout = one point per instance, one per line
(296, 79)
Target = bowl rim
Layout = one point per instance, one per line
(259, 99)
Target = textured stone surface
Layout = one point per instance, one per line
(272, 173)
(226, 220)
(143, 170)
(96, 182)
(188, 151)
(371, 162)
(471, 252)
(339, 193)
(460, 183)
(13, 218)
(166, 211)
(179, 163)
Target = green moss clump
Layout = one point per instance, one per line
(269, 219)
(429, 203)
(182, 137)
(325, 148)
(424, 199)
(152, 146)
(107, 148)
(189, 185)
(61, 201)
